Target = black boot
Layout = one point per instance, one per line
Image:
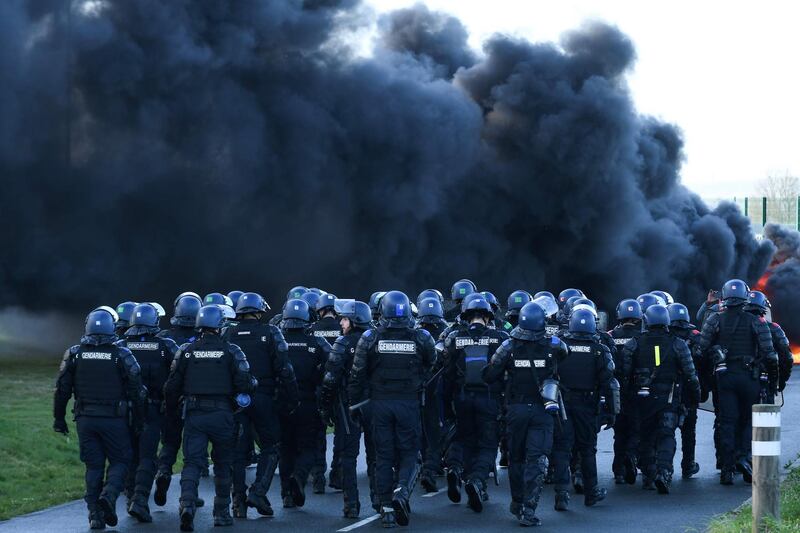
(726, 477)
(515, 508)
(257, 496)
(662, 481)
(199, 502)
(239, 506)
(577, 481)
(594, 495)
(688, 470)
(96, 519)
(351, 510)
(186, 512)
(163, 480)
(318, 484)
(630, 470)
(476, 494)
(503, 459)
(648, 483)
(335, 479)
(108, 505)
(428, 481)
(528, 516)
(297, 491)
(743, 467)
(222, 512)
(454, 484)
(139, 509)
(400, 505)
(562, 500)
(387, 518)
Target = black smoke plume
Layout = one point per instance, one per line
(147, 148)
(783, 284)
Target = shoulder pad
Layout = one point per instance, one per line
(171, 344)
(129, 361)
(236, 351)
(367, 334)
(282, 346)
(274, 330)
(73, 350)
(185, 346)
(506, 344)
(554, 340)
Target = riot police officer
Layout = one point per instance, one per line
(355, 319)
(182, 330)
(758, 304)
(680, 326)
(301, 427)
(530, 358)
(566, 294)
(739, 347)
(208, 373)
(460, 290)
(106, 381)
(327, 327)
(375, 306)
(472, 403)
(154, 355)
(585, 375)
(657, 364)
(498, 322)
(391, 364)
(431, 318)
(516, 301)
(626, 432)
(267, 354)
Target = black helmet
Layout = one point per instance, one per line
(395, 304)
(735, 292)
(517, 300)
(251, 302)
(582, 321)
(146, 314)
(566, 294)
(657, 315)
(124, 314)
(470, 297)
(477, 307)
(358, 312)
(326, 301)
(296, 314)
(461, 289)
(629, 310)
(311, 298)
(678, 315)
(296, 292)
(648, 299)
(532, 318)
(431, 307)
(212, 316)
(758, 302)
(101, 321)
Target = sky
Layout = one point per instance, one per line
(727, 73)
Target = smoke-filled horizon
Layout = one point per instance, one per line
(147, 148)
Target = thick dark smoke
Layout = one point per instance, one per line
(148, 148)
(783, 285)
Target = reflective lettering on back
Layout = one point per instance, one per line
(208, 354)
(551, 330)
(539, 363)
(104, 356)
(142, 345)
(327, 334)
(657, 354)
(581, 349)
(401, 347)
(462, 342)
(622, 341)
(522, 363)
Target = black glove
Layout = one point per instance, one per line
(357, 416)
(60, 426)
(326, 416)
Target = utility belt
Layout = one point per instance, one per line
(206, 403)
(480, 392)
(579, 395)
(109, 408)
(394, 395)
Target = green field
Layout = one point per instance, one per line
(40, 467)
(741, 520)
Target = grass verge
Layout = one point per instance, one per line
(40, 467)
(741, 520)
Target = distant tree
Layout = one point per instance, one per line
(781, 190)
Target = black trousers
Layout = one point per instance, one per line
(202, 427)
(579, 433)
(104, 441)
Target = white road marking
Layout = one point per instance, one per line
(432, 494)
(359, 524)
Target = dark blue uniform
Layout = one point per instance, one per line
(207, 374)
(391, 364)
(748, 342)
(585, 375)
(626, 431)
(475, 407)
(660, 364)
(689, 423)
(527, 360)
(107, 384)
(267, 354)
(154, 355)
(334, 403)
(301, 428)
(328, 328)
(432, 414)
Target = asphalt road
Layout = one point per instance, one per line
(628, 508)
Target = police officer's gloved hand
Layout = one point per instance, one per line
(60, 426)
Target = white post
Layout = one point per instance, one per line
(766, 464)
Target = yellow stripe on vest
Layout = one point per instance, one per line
(658, 355)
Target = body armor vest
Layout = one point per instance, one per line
(304, 358)
(152, 356)
(397, 370)
(656, 354)
(578, 372)
(533, 362)
(180, 334)
(736, 334)
(97, 375)
(255, 340)
(328, 328)
(207, 368)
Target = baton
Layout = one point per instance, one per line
(359, 405)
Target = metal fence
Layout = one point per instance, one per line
(761, 210)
